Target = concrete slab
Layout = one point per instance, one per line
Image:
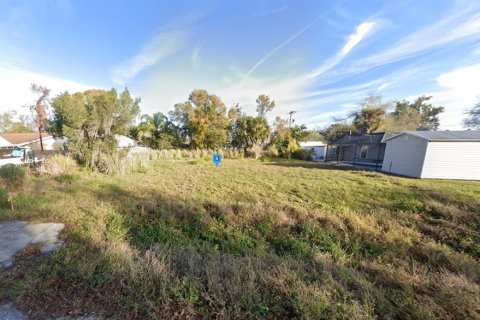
(16, 235)
(9, 312)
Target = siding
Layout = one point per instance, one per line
(404, 155)
(452, 160)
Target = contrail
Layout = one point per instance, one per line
(268, 55)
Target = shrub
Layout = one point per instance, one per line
(13, 178)
(302, 154)
(59, 165)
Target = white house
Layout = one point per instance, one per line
(434, 154)
(29, 140)
(317, 147)
(124, 142)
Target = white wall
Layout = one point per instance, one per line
(404, 155)
(319, 152)
(452, 160)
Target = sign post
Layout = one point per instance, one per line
(217, 159)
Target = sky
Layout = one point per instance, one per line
(318, 58)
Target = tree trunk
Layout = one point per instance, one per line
(40, 135)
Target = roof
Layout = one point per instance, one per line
(468, 135)
(23, 138)
(373, 138)
(312, 144)
(124, 141)
(4, 143)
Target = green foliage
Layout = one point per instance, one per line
(286, 139)
(264, 105)
(156, 132)
(12, 177)
(248, 132)
(371, 114)
(202, 119)
(303, 154)
(428, 114)
(337, 130)
(9, 123)
(91, 119)
(473, 118)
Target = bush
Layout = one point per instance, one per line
(302, 154)
(13, 178)
(59, 165)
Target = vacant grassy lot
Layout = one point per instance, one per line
(251, 239)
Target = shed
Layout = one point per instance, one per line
(434, 154)
(317, 147)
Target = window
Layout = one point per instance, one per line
(364, 152)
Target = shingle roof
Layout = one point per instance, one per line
(22, 138)
(468, 135)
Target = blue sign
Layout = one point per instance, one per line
(217, 159)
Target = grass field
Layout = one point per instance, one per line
(251, 239)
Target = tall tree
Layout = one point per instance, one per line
(202, 119)
(264, 105)
(91, 119)
(250, 132)
(473, 117)
(337, 130)
(371, 114)
(429, 114)
(39, 109)
(286, 139)
(408, 120)
(11, 123)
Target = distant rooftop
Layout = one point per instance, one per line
(312, 144)
(468, 135)
(22, 138)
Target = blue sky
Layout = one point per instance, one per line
(319, 58)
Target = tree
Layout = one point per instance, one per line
(371, 115)
(408, 120)
(264, 105)
(250, 132)
(156, 131)
(428, 114)
(202, 119)
(313, 135)
(39, 109)
(91, 119)
(9, 124)
(285, 139)
(337, 130)
(473, 117)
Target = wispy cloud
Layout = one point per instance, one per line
(168, 41)
(353, 40)
(196, 56)
(271, 53)
(462, 23)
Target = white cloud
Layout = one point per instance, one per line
(196, 56)
(165, 44)
(462, 23)
(16, 93)
(168, 41)
(353, 40)
(461, 90)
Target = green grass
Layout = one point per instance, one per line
(252, 239)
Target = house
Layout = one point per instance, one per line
(30, 140)
(124, 142)
(434, 154)
(317, 148)
(364, 150)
